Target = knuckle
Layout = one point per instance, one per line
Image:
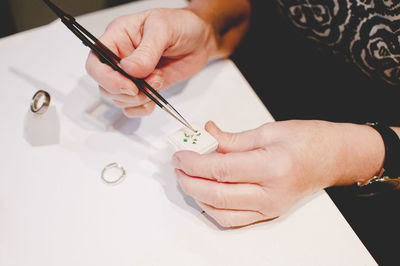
(188, 167)
(147, 52)
(149, 107)
(139, 100)
(268, 207)
(263, 202)
(156, 12)
(219, 199)
(115, 23)
(221, 171)
(157, 79)
(158, 16)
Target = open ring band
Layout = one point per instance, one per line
(112, 180)
(40, 102)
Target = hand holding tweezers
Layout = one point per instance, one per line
(106, 56)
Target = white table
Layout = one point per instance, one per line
(54, 208)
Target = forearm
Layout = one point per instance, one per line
(229, 20)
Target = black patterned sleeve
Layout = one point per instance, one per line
(367, 32)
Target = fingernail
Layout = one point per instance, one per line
(148, 104)
(128, 92)
(212, 128)
(131, 93)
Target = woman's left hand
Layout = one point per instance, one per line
(260, 174)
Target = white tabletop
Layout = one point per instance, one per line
(55, 209)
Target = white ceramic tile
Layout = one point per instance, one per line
(200, 141)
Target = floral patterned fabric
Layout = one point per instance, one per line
(367, 32)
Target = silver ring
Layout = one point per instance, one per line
(112, 178)
(40, 102)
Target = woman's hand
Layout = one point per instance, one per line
(260, 174)
(164, 46)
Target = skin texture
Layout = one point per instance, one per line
(255, 175)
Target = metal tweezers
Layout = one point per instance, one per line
(106, 56)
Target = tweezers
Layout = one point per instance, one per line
(106, 56)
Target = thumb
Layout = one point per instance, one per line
(146, 56)
(235, 142)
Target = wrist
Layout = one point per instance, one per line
(210, 36)
(228, 19)
(388, 178)
(362, 153)
(397, 130)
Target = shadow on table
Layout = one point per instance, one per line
(175, 194)
(166, 176)
(75, 106)
(42, 130)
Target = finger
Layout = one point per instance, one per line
(128, 100)
(176, 69)
(109, 79)
(146, 56)
(232, 218)
(235, 167)
(122, 105)
(235, 142)
(223, 195)
(122, 35)
(139, 111)
(156, 80)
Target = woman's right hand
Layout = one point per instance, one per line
(163, 46)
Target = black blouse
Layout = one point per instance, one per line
(336, 60)
(367, 32)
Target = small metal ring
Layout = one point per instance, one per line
(40, 102)
(113, 180)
